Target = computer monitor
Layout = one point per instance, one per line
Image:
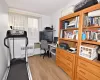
(46, 35)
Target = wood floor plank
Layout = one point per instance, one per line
(46, 69)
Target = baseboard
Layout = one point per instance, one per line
(6, 74)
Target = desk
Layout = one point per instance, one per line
(52, 45)
(52, 49)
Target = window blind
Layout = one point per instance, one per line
(25, 22)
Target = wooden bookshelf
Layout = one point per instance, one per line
(91, 69)
(91, 42)
(67, 52)
(70, 16)
(92, 8)
(84, 64)
(64, 56)
(72, 40)
(91, 27)
(70, 29)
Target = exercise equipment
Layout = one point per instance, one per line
(18, 67)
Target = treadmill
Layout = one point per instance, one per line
(18, 68)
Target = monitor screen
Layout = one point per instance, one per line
(46, 35)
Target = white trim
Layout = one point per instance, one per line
(6, 74)
(29, 72)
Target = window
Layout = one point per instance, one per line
(25, 22)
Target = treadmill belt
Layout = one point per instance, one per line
(18, 72)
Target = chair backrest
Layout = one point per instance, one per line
(44, 44)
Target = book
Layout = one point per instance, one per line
(71, 35)
(61, 33)
(99, 21)
(77, 22)
(91, 21)
(65, 24)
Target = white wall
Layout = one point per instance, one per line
(55, 16)
(46, 21)
(55, 22)
(3, 27)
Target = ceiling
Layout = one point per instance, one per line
(45, 7)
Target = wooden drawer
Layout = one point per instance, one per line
(86, 74)
(89, 67)
(66, 62)
(61, 52)
(66, 69)
(70, 58)
(69, 64)
(79, 77)
(64, 54)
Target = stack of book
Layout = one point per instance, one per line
(65, 24)
(74, 23)
(91, 35)
(71, 35)
(92, 19)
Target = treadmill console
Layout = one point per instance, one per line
(16, 33)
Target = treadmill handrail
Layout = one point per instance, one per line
(13, 37)
(26, 41)
(5, 42)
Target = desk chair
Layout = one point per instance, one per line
(44, 46)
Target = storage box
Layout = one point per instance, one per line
(67, 11)
(88, 51)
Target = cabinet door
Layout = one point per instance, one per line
(62, 65)
(66, 62)
(65, 54)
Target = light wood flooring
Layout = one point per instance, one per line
(46, 69)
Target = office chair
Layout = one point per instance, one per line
(44, 46)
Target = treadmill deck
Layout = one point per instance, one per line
(18, 72)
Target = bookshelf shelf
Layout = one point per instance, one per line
(72, 40)
(70, 29)
(91, 42)
(67, 52)
(90, 27)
